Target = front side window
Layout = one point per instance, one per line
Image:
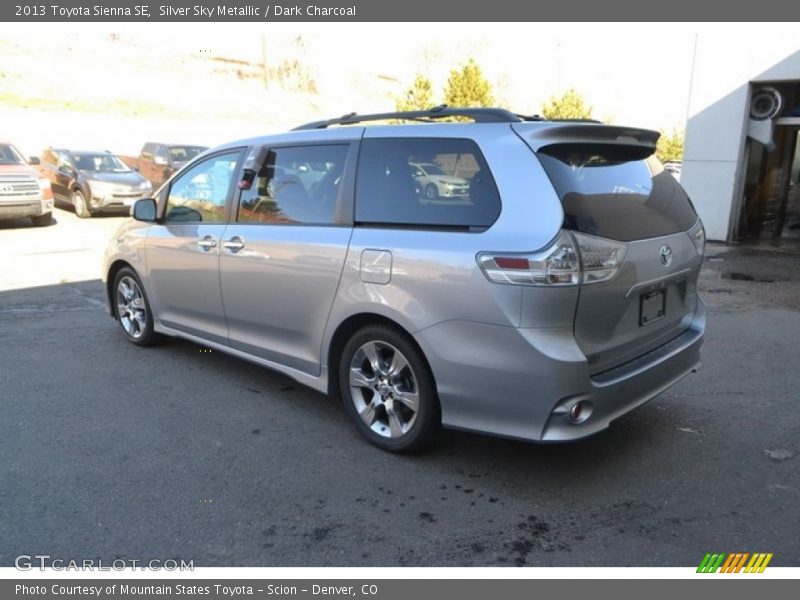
(64, 161)
(297, 185)
(199, 194)
(429, 182)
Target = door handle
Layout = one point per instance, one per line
(207, 243)
(234, 244)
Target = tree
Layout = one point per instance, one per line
(468, 87)
(670, 145)
(570, 105)
(418, 97)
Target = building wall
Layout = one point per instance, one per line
(718, 119)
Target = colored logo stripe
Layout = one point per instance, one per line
(758, 563)
(710, 563)
(733, 563)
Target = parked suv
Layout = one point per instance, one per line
(158, 162)
(92, 181)
(23, 192)
(559, 295)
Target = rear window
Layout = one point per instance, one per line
(616, 192)
(425, 182)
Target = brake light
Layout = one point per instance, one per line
(571, 259)
(556, 265)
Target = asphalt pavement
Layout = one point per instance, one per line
(112, 451)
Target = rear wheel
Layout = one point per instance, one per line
(133, 309)
(388, 388)
(81, 207)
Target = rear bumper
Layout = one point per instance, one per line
(521, 383)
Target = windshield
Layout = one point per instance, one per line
(99, 163)
(10, 155)
(184, 153)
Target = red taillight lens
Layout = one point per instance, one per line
(505, 262)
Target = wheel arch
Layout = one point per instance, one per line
(345, 330)
(115, 268)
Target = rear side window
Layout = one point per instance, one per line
(428, 182)
(616, 192)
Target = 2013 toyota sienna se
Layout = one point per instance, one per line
(558, 293)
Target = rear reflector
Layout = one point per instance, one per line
(505, 262)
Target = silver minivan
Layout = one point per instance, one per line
(554, 295)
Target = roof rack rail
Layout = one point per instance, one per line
(478, 115)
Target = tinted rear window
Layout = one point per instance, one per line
(615, 192)
(426, 182)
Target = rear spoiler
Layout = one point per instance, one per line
(541, 135)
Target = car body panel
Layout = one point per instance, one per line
(279, 288)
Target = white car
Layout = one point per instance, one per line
(434, 183)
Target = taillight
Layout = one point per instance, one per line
(600, 258)
(571, 259)
(44, 186)
(698, 236)
(556, 265)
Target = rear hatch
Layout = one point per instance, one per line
(612, 188)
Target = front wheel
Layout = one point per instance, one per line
(133, 309)
(388, 388)
(81, 207)
(431, 192)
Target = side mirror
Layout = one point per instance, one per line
(144, 209)
(34, 160)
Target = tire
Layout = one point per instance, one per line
(133, 309)
(81, 207)
(431, 192)
(388, 388)
(42, 220)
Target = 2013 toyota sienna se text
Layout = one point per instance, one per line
(558, 293)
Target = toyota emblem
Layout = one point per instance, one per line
(665, 254)
(5, 188)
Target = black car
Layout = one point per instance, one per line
(92, 181)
